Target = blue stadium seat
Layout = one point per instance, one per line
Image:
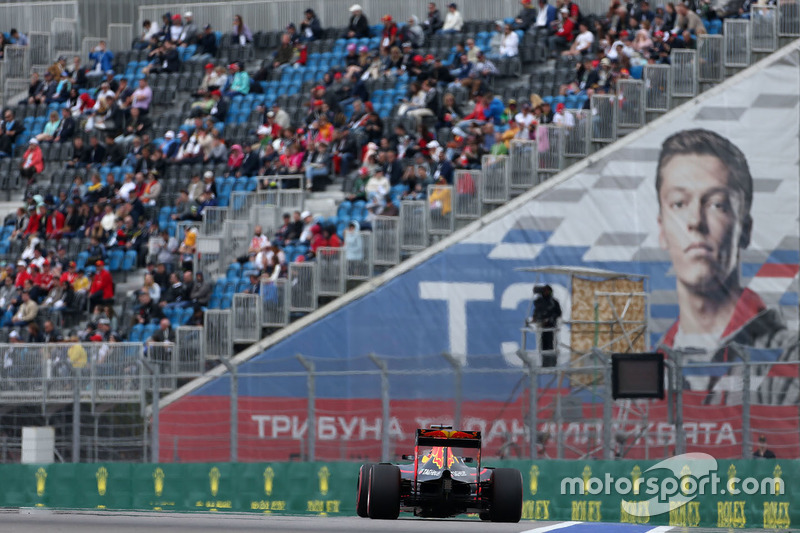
(234, 271)
(80, 262)
(219, 287)
(115, 260)
(136, 333)
(186, 315)
(636, 71)
(226, 302)
(213, 302)
(344, 210)
(130, 260)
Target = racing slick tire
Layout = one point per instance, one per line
(507, 495)
(362, 490)
(383, 496)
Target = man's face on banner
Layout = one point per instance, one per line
(701, 222)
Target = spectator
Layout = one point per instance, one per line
(241, 33)
(66, 127)
(546, 17)
(433, 22)
(510, 45)
(762, 452)
(219, 110)
(201, 291)
(310, 28)
(526, 17)
(148, 311)
(102, 287)
(175, 30)
(563, 37)
(318, 167)
(240, 81)
(413, 32)
(582, 43)
(189, 31)
(10, 128)
(353, 242)
(285, 52)
(142, 97)
(358, 26)
(389, 34)
(17, 38)
(164, 333)
(32, 161)
(103, 61)
(50, 127)
(26, 312)
(165, 59)
(688, 20)
(453, 21)
(150, 29)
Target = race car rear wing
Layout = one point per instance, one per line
(449, 437)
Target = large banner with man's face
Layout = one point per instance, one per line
(703, 206)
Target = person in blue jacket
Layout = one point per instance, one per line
(103, 60)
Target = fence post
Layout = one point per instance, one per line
(533, 396)
(680, 438)
(746, 445)
(312, 418)
(381, 364)
(559, 419)
(234, 408)
(457, 383)
(608, 411)
(153, 370)
(76, 416)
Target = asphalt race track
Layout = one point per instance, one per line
(47, 521)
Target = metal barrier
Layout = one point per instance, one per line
(210, 257)
(550, 144)
(386, 241)
(710, 56)
(789, 18)
(604, 118)
(246, 318)
(88, 44)
(657, 82)
(65, 37)
(303, 281)
(413, 225)
(214, 220)
(494, 186)
(524, 162)
(120, 36)
(592, 7)
(36, 16)
(162, 355)
(275, 303)
(218, 334)
(467, 202)
(441, 219)
(15, 91)
(240, 204)
(41, 48)
(361, 268)
(16, 63)
(273, 15)
(736, 34)
(102, 372)
(578, 138)
(291, 200)
(238, 235)
(684, 73)
(763, 28)
(266, 216)
(630, 97)
(183, 226)
(190, 351)
(331, 271)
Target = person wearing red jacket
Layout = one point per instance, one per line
(22, 275)
(102, 287)
(566, 32)
(32, 161)
(55, 224)
(35, 222)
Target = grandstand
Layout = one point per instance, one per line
(413, 132)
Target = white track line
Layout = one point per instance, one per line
(660, 529)
(551, 528)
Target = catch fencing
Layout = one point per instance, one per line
(495, 179)
(361, 266)
(630, 97)
(386, 241)
(524, 163)
(413, 225)
(120, 36)
(41, 48)
(524, 410)
(218, 333)
(604, 118)
(275, 303)
(65, 36)
(332, 271)
(467, 204)
(684, 73)
(441, 218)
(246, 317)
(214, 220)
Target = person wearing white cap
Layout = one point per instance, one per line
(170, 146)
(308, 223)
(190, 30)
(358, 26)
(32, 161)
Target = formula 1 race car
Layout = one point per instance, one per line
(441, 482)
